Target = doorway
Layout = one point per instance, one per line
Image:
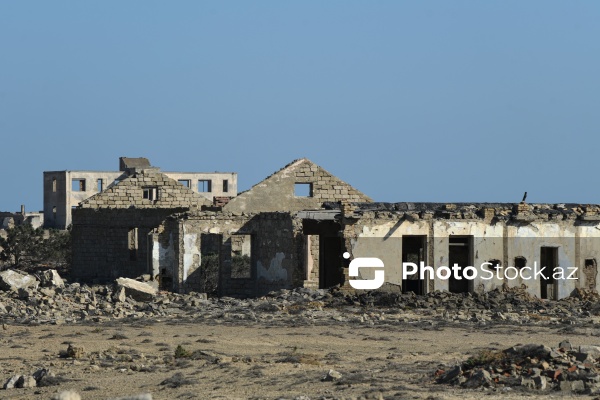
(330, 261)
(549, 260)
(330, 257)
(414, 251)
(460, 251)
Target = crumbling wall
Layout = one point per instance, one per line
(101, 242)
(132, 192)
(59, 196)
(110, 229)
(500, 234)
(164, 254)
(275, 251)
(277, 192)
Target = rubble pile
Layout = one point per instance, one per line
(512, 305)
(46, 298)
(530, 367)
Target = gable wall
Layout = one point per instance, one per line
(276, 193)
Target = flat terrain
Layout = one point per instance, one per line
(221, 359)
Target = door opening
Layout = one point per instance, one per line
(459, 252)
(549, 260)
(414, 251)
(328, 256)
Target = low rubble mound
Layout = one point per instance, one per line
(505, 297)
(585, 295)
(46, 298)
(530, 367)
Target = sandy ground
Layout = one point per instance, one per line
(260, 360)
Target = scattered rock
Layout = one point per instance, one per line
(12, 382)
(138, 291)
(15, 280)
(145, 396)
(479, 378)
(531, 366)
(565, 345)
(51, 278)
(67, 395)
(177, 380)
(26, 381)
(450, 375)
(119, 295)
(75, 351)
(540, 382)
(531, 350)
(332, 375)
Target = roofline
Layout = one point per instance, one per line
(122, 172)
(200, 172)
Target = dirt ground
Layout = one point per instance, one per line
(258, 359)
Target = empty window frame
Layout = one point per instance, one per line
(78, 185)
(54, 185)
(205, 186)
(590, 272)
(184, 182)
(132, 243)
(100, 185)
(303, 189)
(150, 193)
(520, 262)
(225, 186)
(241, 256)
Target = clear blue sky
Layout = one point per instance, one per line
(408, 101)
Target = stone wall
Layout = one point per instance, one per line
(131, 192)
(277, 192)
(276, 250)
(102, 250)
(110, 229)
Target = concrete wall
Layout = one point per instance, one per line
(379, 234)
(216, 179)
(58, 193)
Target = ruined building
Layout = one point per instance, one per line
(292, 229)
(64, 190)
(10, 219)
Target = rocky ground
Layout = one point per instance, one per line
(127, 339)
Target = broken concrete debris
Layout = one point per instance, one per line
(75, 351)
(332, 375)
(28, 381)
(75, 302)
(15, 280)
(138, 291)
(51, 278)
(72, 395)
(530, 366)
